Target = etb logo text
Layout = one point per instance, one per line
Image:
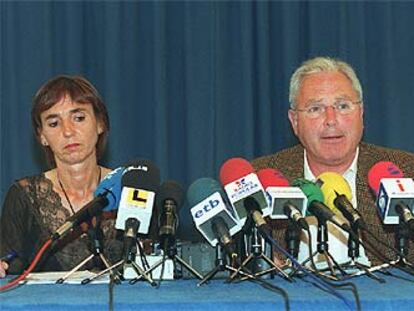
(211, 204)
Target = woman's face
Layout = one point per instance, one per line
(71, 131)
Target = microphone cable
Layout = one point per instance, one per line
(164, 258)
(321, 282)
(266, 285)
(318, 272)
(374, 249)
(409, 270)
(111, 286)
(35, 261)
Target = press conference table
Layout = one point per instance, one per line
(395, 294)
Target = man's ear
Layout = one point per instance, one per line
(293, 118)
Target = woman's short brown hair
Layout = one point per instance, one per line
(79, 90)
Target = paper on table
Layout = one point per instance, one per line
(75, 278)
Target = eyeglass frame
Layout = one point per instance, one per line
(334, 106)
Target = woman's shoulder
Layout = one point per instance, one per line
(35, 185)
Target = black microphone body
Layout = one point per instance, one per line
(349, 212)
(168, 225)
(324, 214)
(93, 208)
(405, 215)
(170, 200)
(292, 239)
(253, 209)
(293, 213)
(222, 233)
(130, 238)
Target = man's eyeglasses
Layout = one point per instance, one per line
(341, 106)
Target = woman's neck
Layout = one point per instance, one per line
(79, 181)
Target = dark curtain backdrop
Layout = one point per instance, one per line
(191, 84)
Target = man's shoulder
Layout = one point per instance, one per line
(383, 153)
(371, 154)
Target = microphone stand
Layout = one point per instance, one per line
(353, 253)
(292, 238)
(131, 244)
(170, 250)
(255, 254)
(323, 248)
(95, 234)
(403, 238)
(221, 265)
(130, 262)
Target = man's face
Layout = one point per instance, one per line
(332, 138)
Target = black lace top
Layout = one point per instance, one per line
(31, 212)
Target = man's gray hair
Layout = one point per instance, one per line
(321, 64)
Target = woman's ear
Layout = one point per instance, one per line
(100, 128)
(43, 140)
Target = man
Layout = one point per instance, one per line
(326, 114)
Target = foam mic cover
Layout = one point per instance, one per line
(382, 169)
(170, 190)
(111, 186)
(141, 174)
(310, 189)
(338, 197)
(270, 177)
(332, 184)
(233, 169)
(201, 189)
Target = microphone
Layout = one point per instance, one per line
(294, 214)
(338, 196)
(106, 197)
(170, 200)
(111, 183)
(253, 209)
(395, 194)
(316, 206)
(240, 182)
(284, 200)
(212, 216)
(140, 182)
(380, 170)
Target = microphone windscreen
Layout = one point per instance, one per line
(310, 189)
(201, 189)
(170, 190)
(111, 186)
(332, 184)
(270, 177)
(382, 169)
(141, 174)
(234, 169)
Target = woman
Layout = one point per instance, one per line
(71, 123)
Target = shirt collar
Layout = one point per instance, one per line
(349, 173)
